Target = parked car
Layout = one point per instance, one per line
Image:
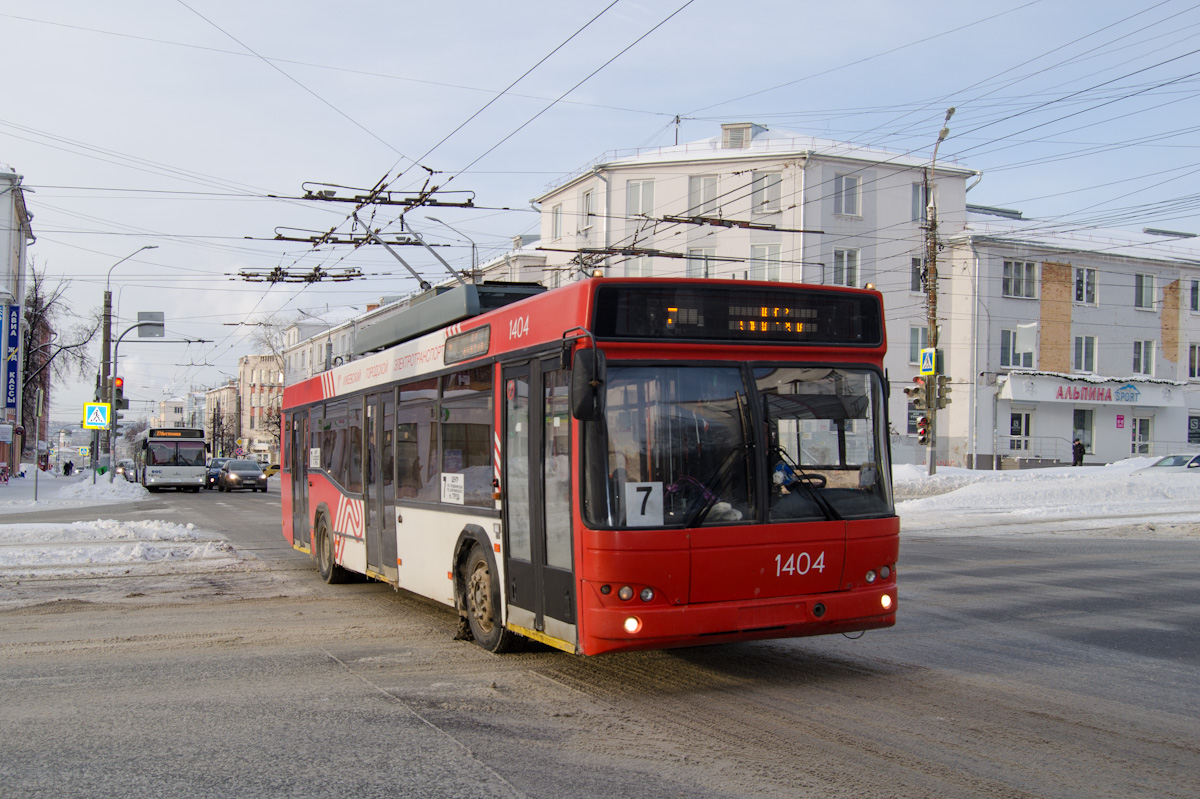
(1172, 463)
(126, 468)
(213, 470)
(271, 470)
(237, 474)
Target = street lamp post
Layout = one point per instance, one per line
(931, 278)
(474, 258)
(106, 343)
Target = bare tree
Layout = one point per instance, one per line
(270, 336)
(55, 350)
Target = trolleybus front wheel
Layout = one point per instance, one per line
(482, 602)
(330, 572)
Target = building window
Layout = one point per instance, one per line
(1020, 430)
(918, 339)
(638, 266)
(587, 211)
(764, 262)
(845, 268)
(1085, 286)
(1020, 279)
(1085, 354)
(1194, 362)
(702, 195)
(698, 263)
(845, 194)
(916, 282)
(1196, 295)
(556, 222)
(1010, 356)
(1143, 357)
(920, 203)
(1084, 421)
(1143, 291)
(765, 192)
(639, 197)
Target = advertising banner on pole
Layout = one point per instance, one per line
(11, 352)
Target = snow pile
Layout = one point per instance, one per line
(107, 548)
(56, 491)
(1058, 500)
(120, 490)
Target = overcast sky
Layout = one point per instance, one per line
(190, 125)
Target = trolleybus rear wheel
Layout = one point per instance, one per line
(482, 602)
(326, 565)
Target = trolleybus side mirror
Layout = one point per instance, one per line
(587, 385)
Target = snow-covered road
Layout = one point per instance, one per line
(1104, 501)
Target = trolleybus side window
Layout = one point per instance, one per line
(416, 452)
(466, 439)
(352, 475)
(316, 417)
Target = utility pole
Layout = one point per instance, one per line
(103, 382)
(931, 277)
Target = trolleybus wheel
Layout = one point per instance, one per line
(330, 572)
(483, 603)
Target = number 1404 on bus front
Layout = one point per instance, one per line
(800, 563)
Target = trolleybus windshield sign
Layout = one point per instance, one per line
(775, 315)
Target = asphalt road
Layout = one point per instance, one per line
(1020, 667)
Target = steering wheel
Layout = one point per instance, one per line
(816, 480)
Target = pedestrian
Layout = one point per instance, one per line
(1077, 453)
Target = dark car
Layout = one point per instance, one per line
(213, 470)
(125, 468)
(241, 474)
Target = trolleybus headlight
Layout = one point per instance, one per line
(885, 572)
(633, 624)
(647, 594)
(871, 576)
(606, 589)
(625, 593)
(886, 601)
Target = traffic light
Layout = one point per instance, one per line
(943, 388)
(918, 394)
(923, 430)
(119, 403)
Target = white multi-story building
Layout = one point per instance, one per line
(1054, 336)
(171, 413)
(1045, 337)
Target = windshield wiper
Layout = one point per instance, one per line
(711, 496)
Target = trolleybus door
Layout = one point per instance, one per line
(378, 485)
(297, 466)
(540, 583)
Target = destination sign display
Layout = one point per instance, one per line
(786, 314)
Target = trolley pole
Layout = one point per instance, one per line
(931, 278)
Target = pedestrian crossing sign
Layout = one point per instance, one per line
(928, 361)
(96, 415)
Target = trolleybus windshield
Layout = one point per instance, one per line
(710, 444)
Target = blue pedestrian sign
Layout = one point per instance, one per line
(96, 415)
(928, 361)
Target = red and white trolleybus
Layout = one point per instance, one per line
(616, 464)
